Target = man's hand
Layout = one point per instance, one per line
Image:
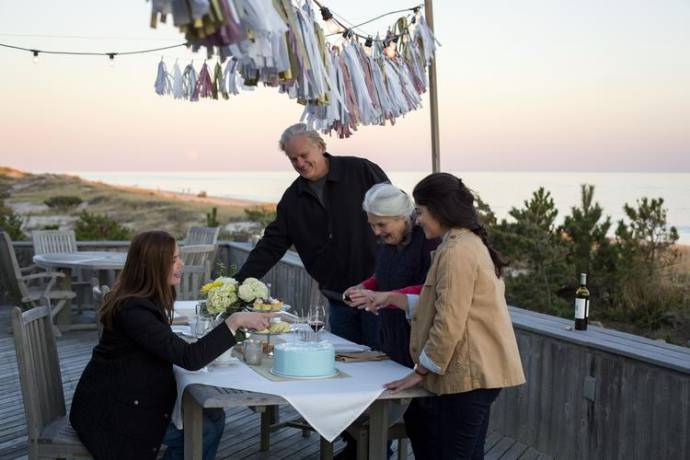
(358, 296)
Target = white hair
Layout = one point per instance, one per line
(301, 129)
(387, 200)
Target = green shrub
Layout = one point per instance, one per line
(12, 224)
(537, 252)
(63, 201)
(97, 227)
(633, 283)
(212, 218)
(263, 214)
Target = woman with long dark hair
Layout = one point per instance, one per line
(122, 405)
(462, 340)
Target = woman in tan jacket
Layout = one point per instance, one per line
(462, 339)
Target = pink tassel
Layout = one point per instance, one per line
(204, 85)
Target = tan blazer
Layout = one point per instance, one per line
(462, 320)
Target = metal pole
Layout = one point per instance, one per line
(433, 97)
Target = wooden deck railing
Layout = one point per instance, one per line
(594, 394)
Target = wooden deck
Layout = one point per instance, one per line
(241, 437)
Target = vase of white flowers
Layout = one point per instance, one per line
(225, 296)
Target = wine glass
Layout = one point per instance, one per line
(317, 319)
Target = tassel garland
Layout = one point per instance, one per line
(277, 44)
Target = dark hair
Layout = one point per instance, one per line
(451, 203)
(145, 275)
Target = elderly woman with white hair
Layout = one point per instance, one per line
(402, 263)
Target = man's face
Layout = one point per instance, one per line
(306, 157)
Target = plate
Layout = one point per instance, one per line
(225, 363)
(278, 374)
(291, 331)
(285, 307)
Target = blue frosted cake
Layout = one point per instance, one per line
(307, 359)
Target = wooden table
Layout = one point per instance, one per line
(198, 396)
(105, 263)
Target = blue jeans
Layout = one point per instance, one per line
(450, 426)
(353, 324)
(213, 426)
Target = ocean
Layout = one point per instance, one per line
(501, 190)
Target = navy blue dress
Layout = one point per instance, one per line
(397, 267)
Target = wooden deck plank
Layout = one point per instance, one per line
(515, 452)
(530, 454)
(501, 447)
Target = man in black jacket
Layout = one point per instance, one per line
(321, 214)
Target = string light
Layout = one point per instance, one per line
(111, 54)
(326, 14)
(333, 24)
(390, 50)
(332, 20)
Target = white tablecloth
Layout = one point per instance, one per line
(329, 406)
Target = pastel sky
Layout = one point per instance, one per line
(529, 85)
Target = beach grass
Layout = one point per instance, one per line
(138, 209)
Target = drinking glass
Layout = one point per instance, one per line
(203, 324)
(302, 327)
(317, 319)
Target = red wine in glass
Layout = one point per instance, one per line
(316, 326)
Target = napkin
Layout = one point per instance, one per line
(182, 329)
(180, 319)
(361, 356)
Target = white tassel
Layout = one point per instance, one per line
(189, 82)
(177, 86)
(367, 114)
(162, 84)
(429, 42)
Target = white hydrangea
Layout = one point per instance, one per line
(252, 288)
(227, 280)
(220, 298)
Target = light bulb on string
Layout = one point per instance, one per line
(390, 50)
(326, 14)
(35, 58)
(111, 60)
(333, 27)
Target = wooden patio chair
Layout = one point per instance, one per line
(57, 242)
(31, 291)
(49, 432)
(202, 235)
(197, 269)
(53, 241)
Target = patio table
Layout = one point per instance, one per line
(328, 405)
(105, 263)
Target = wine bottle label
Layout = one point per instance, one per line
(580, 308)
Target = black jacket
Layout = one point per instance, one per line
(335, 243)
(122, 405)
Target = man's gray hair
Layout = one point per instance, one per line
(300, 129)
(387, 200)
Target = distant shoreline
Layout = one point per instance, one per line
(189, 197)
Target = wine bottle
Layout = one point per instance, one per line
(582, 304)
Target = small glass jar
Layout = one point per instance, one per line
(253, 352)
